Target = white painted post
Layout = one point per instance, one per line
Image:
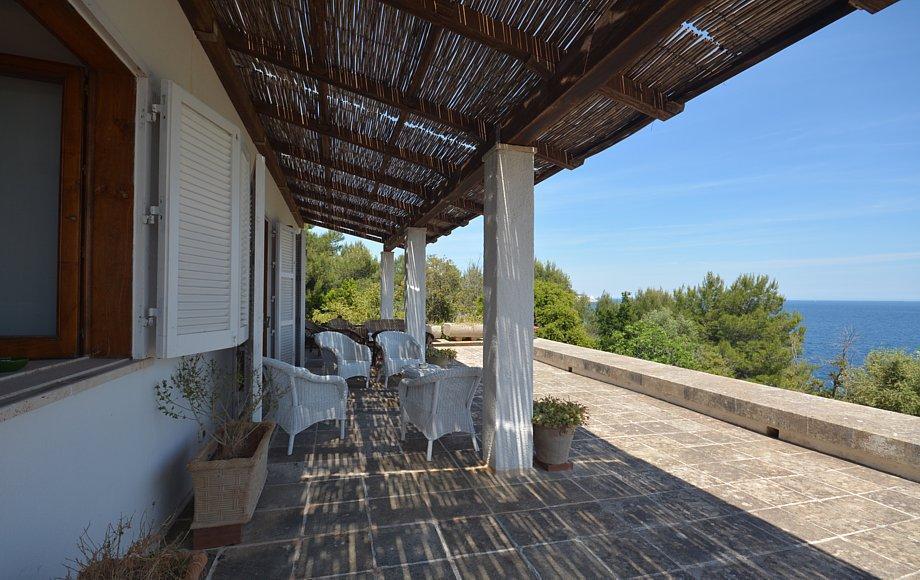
(386, 284)
(415, 283)
(508, 288)
(257, 311)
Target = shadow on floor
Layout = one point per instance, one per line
(371, 506)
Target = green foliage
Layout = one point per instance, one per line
(353, 300)
(220, 400)
(469, 299)
(440, 356)
(889, 379)
(442, 285)
(550, 272)
(666, 337)
(556, 314)
(757, 339)
(556, 413)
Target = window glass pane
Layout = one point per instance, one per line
(30, 167)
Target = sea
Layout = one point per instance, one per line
(877, 325)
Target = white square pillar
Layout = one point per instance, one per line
(386, 284)
(415, 283)
(508, 289)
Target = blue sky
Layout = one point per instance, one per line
(805, 167)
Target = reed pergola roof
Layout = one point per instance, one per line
(374, 115)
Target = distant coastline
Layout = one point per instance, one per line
(878, 324)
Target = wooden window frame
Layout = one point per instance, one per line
(65, 342)
(107, 313)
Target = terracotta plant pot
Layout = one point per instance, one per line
(552, 446)
(196, 566)
(227, 490)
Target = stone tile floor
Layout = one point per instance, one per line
(656, 490)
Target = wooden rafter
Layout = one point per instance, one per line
(355, 224)
(620, 36)
(538, 55)
(637, 96)
(333, 185)
(204, 22)
(359, 213)
(318, 42)
(326, 130)
(340, 227)
(358, 84)
(356, 170)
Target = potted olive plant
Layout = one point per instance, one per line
(554, 423)
(229, 471)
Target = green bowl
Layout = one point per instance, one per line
(8, 365)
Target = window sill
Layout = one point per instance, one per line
(44, 382)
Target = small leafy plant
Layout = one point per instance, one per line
(220, 401)
(149, 557)
(555, 413)
(440, 356)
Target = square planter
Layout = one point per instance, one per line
(227, 490)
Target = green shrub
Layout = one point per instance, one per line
(556, 413)
(440, 356)
(889, 379)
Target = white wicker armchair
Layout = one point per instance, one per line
(398, 351)
(439, 403)
(352, 359)
(311, 398)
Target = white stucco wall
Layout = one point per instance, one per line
(106, 452)
(85, 461)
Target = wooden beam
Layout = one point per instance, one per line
(538, 55)
(557, 157)
(313, 191)
(352, 212)
(359, 84)
(384, 179)
(642, 98)
(204, 22)
(620, 36)
(338, 227)
(355, 224)
(619, 43)
(872, 6)
(327, 130)
(327, 183)
(318, 44)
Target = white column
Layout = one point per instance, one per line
(257, 322)
(508, 288)
(415, 283)
(386, 284)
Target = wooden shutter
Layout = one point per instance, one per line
(245, 247)
(198, 283)
(286, 287)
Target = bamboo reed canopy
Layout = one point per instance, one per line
(374, 115)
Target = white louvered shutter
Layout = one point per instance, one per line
(286, 285)
(245, 247)
(198, 283)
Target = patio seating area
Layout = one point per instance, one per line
(656, 489)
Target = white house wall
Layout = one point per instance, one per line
(106, 452)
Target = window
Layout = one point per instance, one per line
(41, 153)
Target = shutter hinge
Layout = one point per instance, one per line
(151, 318)
(154, 114)
(152, 215)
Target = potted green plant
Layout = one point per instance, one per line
(440, 356)
(149, 556)
(554, 423)
(229, 472)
